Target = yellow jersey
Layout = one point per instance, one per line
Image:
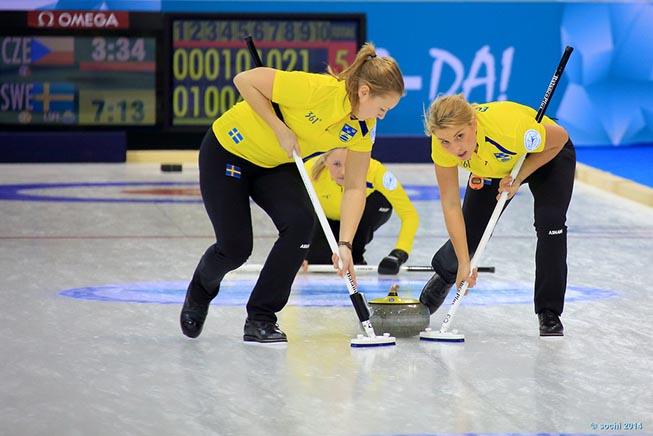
(314, 106)
(505, 131)
(378, 179)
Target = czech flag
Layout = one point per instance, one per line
(53, 50)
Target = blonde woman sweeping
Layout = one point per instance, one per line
(488, 139)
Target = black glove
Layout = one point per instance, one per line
(391, 263)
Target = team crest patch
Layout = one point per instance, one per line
(235, 135)
(532, 139)
(389, 181)
(347, 133)
(502, 157)
(233, 171)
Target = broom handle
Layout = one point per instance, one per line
(357, 299)
(323, 268)
(496, 213)
(326, 228)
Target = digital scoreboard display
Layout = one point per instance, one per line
(208, 53)
(77, 80)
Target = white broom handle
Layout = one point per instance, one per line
(322, 268)
(359, 302)
(351, 287)
(495, 216)
(446, 324)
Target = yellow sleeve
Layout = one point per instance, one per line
(530, 135)
(387, 184)
(292, 88)
(440, 156)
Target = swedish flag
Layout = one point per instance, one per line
(235, 135)
(53, 97)
(233, 171)
(503, 157)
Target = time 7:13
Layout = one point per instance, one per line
(136, 108)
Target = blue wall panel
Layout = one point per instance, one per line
(491, 51)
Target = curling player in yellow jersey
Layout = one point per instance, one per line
(247, 153)
(384, 194)
(488, 140)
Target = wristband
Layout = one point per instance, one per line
(345, 244)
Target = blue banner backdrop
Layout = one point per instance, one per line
(489, 51)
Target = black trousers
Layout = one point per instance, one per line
(551, 186)
(376, 213)
(227, 182)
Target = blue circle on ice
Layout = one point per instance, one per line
(140, 192)
(322, 291)
(100, 192)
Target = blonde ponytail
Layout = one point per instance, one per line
(380, 73)
(320, 164)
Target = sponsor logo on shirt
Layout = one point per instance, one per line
(235, 135)
(312, 118)
(304, 246)
(347, 133)
(532, 139)
(555, 232)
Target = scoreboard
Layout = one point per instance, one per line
(207, 53)
(156, 76)
(78, 80)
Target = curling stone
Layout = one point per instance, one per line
(171, 167)
(401, 317)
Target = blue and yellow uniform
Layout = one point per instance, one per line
(505, 132)
(314, 106)
(240, 158)
(379, 180)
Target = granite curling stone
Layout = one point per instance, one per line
(401, 317)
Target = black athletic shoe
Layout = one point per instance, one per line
(434, 293)
(391, 264)
(192, 318)
(550, 324)
(263, 331)
(193, 314)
